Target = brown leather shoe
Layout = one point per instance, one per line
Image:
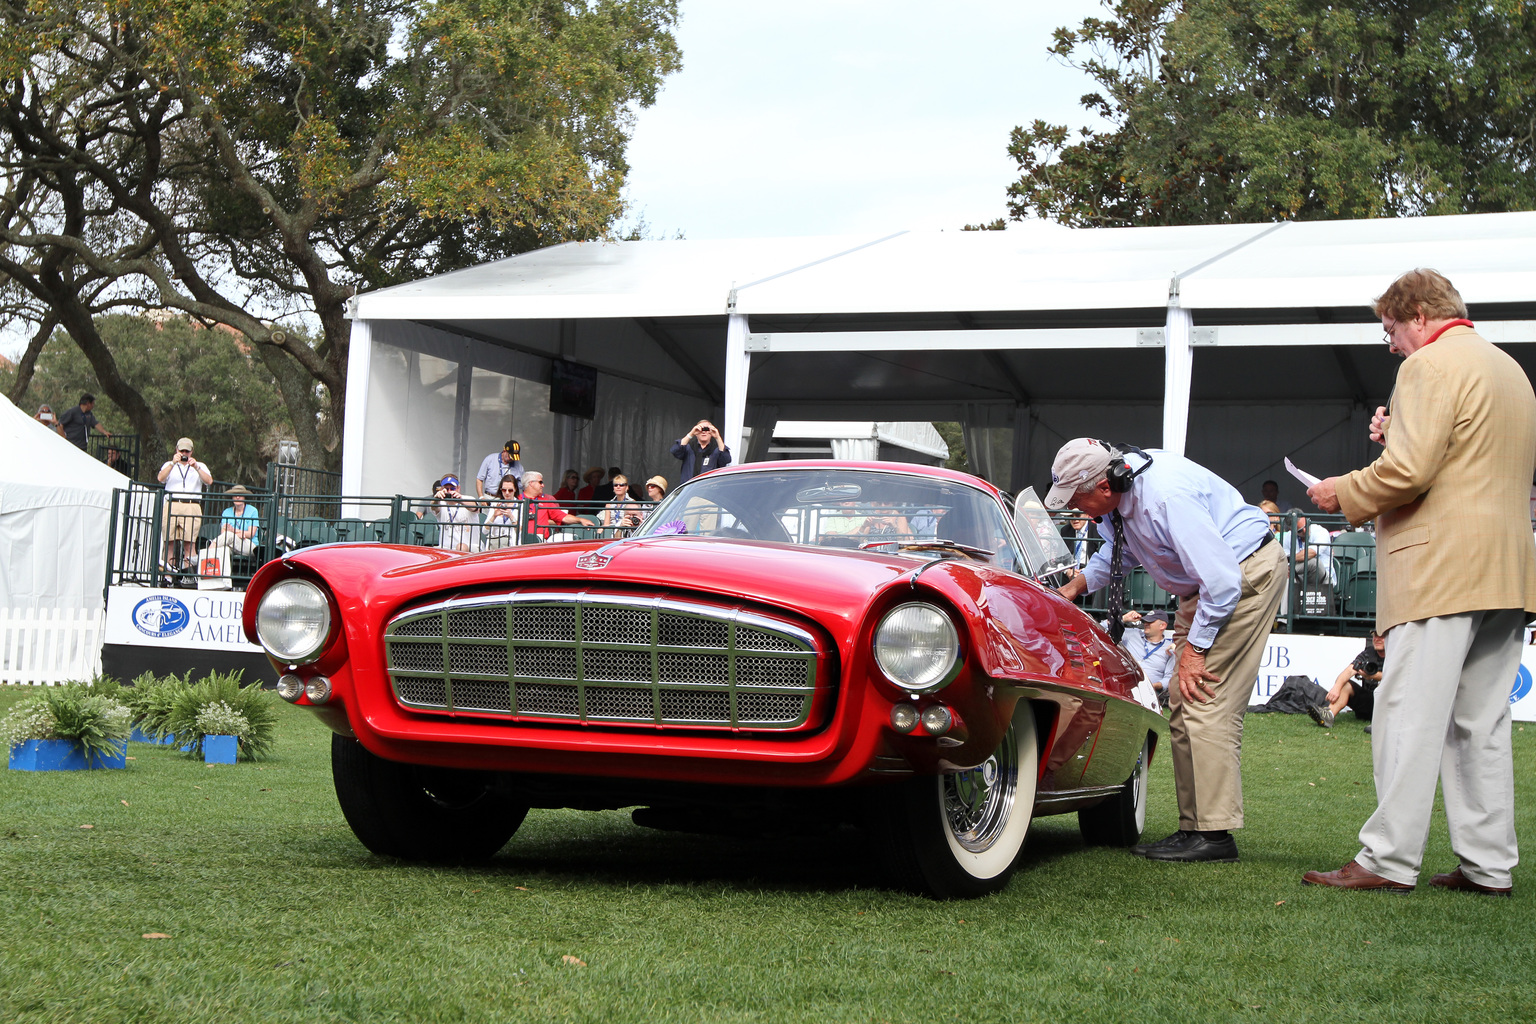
(1353, 876)
(1457, 880)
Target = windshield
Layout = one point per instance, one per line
(921, 516)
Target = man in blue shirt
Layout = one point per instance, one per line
(1199, 540)
(1152, 649)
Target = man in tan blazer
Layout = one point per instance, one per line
(1457, 580)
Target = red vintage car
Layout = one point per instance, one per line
(785, 644)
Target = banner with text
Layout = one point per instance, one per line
(195, 620)
(1321, 658)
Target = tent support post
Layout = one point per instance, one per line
(1177, 373)
(355, 425)
(1019, 470)
(738, 364)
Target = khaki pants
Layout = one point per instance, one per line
(1207, 738)
(1442, 714)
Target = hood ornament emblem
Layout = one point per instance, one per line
(593, 560)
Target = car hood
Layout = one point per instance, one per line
(830, 585)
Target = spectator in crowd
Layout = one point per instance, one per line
(701, 450)
(1196, 537)
(238, 530)
(46, 417)
(593, 477)
(1269, 490)
(1456, 575)
(184, 478)
(78, 422)
(500, 529)
(604, 491)
(623, 513)
(458, 524)
(543, 512)
(655, 489)
(1081, 534)
(1152, 648)
(1356, 686)
(496, 465)
(1310, 549)
(570, 483)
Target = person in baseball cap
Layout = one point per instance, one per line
(1079, 465)
(1198, 539)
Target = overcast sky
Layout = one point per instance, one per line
(803, 117)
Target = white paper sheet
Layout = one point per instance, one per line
(1301, 474)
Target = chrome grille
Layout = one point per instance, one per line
(611, 659)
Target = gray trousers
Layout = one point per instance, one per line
(1442, 712)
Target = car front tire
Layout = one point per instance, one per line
(416, 812)
(1120, 820)
(959, 836)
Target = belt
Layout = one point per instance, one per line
(1269, 538)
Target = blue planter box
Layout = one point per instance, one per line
(220, 749)
(62, 756)
(142, 737)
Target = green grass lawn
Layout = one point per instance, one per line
(275, 912)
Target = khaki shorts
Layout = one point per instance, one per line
(183, 520)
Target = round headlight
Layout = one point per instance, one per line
(318, 690)
(916, 647)
(294, 621)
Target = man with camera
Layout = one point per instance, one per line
(458, 524)
(184, 478)
(701, 450)
(1198, 539)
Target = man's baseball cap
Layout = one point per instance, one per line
(184, 445)
(450, 481)
(1078, 466)
(1155, 617)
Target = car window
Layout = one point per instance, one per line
(902, 513)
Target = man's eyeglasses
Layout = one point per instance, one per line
(1387, 334)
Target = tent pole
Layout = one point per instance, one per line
(738, 363)
(1176, 378)
(354, 427)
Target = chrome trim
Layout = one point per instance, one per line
(578, 665)
(1067, 796)
(978, 802)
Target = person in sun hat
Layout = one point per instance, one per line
(184, 478)
(1198, 539)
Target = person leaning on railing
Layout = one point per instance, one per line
(543, 513)
(623, 513)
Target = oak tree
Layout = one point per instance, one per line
(1259, 110)
(254, 163)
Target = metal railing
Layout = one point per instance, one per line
(142, 552)
(120, 452)
(1331, 588)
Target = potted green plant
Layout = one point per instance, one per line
(257, 707)
(66, 728)
(221, 728)
(151, 699)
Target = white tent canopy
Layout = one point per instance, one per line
(1239, 343)
(55, 507)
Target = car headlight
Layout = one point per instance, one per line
(293, 621)
(917, 648)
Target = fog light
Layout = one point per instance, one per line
(903, 718)
(318, 690)
(290, 687)
(937, 720)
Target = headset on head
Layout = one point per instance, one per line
(1118, 473)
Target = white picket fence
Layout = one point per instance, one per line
(46, 646)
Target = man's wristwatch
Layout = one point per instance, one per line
(1202, 651)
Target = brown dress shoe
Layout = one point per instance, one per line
(1353, 876)
(1457, 880)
